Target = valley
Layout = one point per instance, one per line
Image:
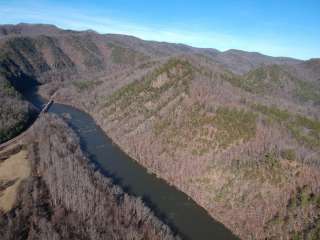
(238, 132)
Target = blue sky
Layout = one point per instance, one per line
(273, 27)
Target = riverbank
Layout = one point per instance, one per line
(65, 196)
(215, 181)
(169, 203)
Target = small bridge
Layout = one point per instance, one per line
(21, 135)
(46, 107)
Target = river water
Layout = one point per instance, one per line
(171, 205)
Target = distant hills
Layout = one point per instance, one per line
(237, 131)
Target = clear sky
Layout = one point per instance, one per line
(273, 27)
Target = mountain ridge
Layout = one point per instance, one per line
(237, 131)
(22, 28)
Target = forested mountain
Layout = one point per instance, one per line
(66, 198)
(238, 132)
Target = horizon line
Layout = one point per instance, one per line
(153, 40)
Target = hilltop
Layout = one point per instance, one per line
(239, 132)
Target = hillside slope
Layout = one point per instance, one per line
(238, 132)
(66, 198)
(243, 154)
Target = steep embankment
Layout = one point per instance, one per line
(220, 138)
(237, 131)
(15, 113)
(29, 58)
(212, 147)
(65, 198)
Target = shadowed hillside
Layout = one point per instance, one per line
(66, 198)
(238, 132)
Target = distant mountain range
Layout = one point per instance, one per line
(237, 131)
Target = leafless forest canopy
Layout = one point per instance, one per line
(65, 198)
(239, 132)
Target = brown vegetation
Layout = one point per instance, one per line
(237, 131)
(65, 198)
(15, 113)
(14, 168)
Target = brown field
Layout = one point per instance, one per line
(13, 170)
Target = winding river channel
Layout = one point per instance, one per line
(171, 205)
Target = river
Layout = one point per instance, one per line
(171, 205)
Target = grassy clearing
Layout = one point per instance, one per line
(12, 171)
